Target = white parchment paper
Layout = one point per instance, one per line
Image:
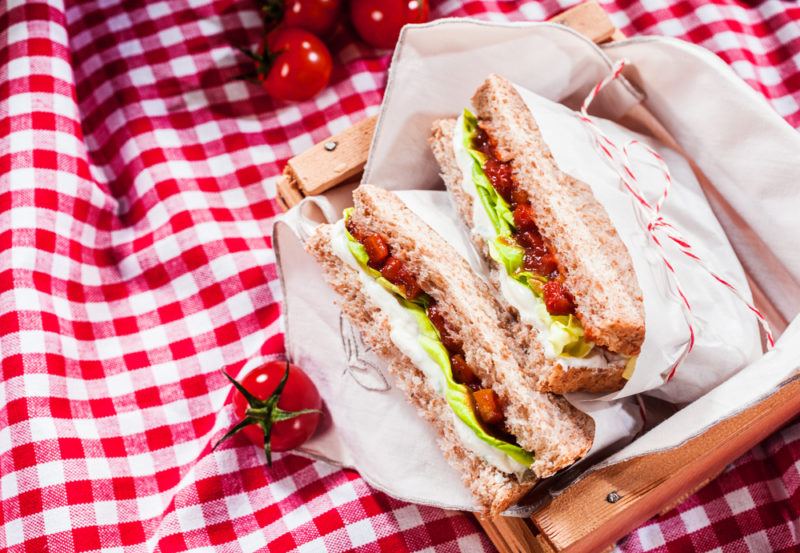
(727, 336)
(434, 71)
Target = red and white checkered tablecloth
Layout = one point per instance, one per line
(136, 202)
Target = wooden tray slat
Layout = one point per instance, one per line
(582, 520)
(589, 19)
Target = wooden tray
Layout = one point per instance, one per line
(594, 513)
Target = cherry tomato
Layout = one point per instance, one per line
(378, 22)
(294, 65)
(317, 16)
(299, 394)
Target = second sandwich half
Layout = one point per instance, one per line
(557, 261)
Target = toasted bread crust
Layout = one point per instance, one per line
(596, 265)
(494, 490)
(562, 379)
(550, 375)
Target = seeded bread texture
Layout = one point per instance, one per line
(494, 490)
(596, 265)
(546, 424)
(549, 374)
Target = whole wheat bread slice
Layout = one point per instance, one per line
(550, 374)
(549, 426)
(492, 489)
(596, 265)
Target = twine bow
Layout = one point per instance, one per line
(655, 225)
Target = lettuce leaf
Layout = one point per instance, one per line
(566, 336)
(496, 207)
(506, 252)
(456, 395)
(532, 281)
(565, 332)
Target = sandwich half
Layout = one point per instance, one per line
(557, 263)
(420, 307)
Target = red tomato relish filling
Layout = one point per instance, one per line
(539, 257)
(485, 401)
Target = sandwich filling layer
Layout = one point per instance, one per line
(419, 329)
(528, 270)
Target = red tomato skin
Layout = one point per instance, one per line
(316, 16)
(301, 67)
(378, 22)
(299, 393)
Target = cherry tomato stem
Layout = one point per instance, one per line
(272, 11)
(265, 413)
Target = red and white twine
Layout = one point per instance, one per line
(620, 159)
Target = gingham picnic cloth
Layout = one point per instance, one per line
(136, 201)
